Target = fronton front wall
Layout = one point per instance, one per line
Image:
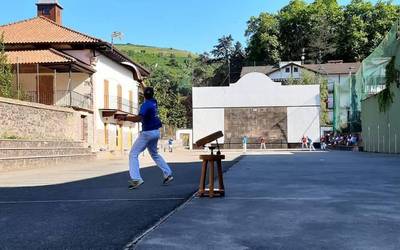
(256, 106)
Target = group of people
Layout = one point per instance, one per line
(261, 139)
(341, 139)
(307, 143)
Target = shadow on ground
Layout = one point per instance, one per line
(97, 213)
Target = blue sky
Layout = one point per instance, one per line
(193, 25)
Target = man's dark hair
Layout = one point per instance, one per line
(148, 93)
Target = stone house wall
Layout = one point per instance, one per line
(33, 121)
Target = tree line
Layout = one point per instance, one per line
(321, 31)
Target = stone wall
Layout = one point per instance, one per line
(269, 122)
(26, 120)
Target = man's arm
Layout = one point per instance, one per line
(136, 118)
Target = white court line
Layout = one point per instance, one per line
(89, 200)
(278, 198)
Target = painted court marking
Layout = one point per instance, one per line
(279, 198)
(87, 200)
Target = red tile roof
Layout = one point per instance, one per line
(334, 68)
(42, 30)
(37, 56)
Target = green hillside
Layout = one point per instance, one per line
(154, 50)
(178, 63)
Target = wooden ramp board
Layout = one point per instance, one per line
(209, 138)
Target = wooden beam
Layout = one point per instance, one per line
(209, 138)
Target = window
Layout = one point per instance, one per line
(46, 10)
(287, 70)
(295, 69)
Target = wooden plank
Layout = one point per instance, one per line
(203, 141)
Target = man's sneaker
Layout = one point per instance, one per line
(133, 184)
(168, 180)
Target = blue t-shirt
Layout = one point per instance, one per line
(149, 114)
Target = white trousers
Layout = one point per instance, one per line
(149, 140)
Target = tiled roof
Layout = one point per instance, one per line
(260, 69)
(37, 56)
(42, 30)
(325, 68)
(334, 68)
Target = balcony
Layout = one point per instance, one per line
(118, 107)
(120, 104)
(62, 98)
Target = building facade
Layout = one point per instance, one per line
(55, 65)
(337, 74)
(255, 107)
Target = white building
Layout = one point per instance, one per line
(336, 72)
(256, 106)
(55, 65)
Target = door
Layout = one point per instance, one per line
(130, 101)
(119, 137)
(130, 141)
(84, 128)
(119, 97)
(46, 90)
(106, 134)
(106, 95)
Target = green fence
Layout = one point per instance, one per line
(369, 80)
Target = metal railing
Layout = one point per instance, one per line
(74, 99)
(122, 104)
(63, 98)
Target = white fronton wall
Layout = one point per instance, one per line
(303, 121)
(256, 90)
(207, 121)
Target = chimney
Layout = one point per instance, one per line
(50, 9)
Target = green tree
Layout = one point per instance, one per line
(383, 16)
(224, 48)
(263, 39)
(325, 17)
(294, 27)
(354, 31)
(6, 77)
(171, 104)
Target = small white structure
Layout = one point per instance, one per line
(295, 106)
(180, 133)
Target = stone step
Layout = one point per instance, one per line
(16, 163)
(26, 152)
(39, 144)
